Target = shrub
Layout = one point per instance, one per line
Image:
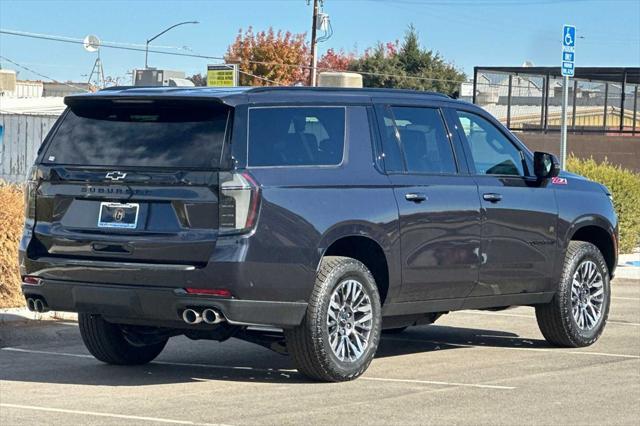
(11, 221)
(625, 188)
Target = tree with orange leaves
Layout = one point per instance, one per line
(335, 60)
(268, 56)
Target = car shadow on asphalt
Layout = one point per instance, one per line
(437, 337)
(209, 361)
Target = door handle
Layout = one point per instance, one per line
(416, 197)
(492, 197)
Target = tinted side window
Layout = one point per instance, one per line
(492, 152)
(423, 139)
(393, 161)
(296, 136)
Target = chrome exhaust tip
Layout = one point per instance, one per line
(211, 316)
(39, 306)
(191, 316)
(31, 304)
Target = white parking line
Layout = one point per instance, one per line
(33, 351)
(99, 414)
(284, 372)
(431, 382)
(637, 299)
(502, 314)
(178, 364)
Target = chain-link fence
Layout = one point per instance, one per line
(532, 101)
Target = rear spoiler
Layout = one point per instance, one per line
(149, 95)
(73, 101)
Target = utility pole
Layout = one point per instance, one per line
(314, 53)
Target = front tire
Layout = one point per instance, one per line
(107, 342)
(577, 314)
(339, 335)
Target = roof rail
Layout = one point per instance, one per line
(262, 89)
(106, 89)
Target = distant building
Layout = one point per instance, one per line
(11, 87)
(155, 77)
(55, 89)
(7, 81)
(24, 89)
(34, 97)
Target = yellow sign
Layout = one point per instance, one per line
(222, 75)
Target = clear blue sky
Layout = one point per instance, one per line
(465, 32)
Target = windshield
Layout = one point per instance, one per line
(154, 134)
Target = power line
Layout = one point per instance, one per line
(77, 41)
(218, 58)
(200, 56)
(105, 44)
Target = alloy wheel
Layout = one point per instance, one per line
(587, 295)
(349, 320)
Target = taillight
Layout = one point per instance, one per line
(30, 195)
(239, 202)
(209, 291)
(31, 280)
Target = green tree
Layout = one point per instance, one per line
(398, 65)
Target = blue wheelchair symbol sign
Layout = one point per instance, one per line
(569, 35)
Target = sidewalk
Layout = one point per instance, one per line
(15, 316)
(629, 265)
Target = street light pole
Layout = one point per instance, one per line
(146, 50)
(314, 54)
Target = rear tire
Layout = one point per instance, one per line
(577, 314)
(339, 334)
(107, 343)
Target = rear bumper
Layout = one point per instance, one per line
(159, 306)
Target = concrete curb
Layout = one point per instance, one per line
(23, 315)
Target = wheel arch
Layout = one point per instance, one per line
(374, 252)
(599, 232)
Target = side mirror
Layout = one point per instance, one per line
(545, 165)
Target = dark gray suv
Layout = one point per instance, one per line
(305, 220)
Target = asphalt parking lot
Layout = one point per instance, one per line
(471, 367)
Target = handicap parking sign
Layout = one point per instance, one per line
(568, 50)
(569, 36)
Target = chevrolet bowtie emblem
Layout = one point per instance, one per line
(115, 175)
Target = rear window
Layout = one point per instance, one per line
(296, 136)
(158, 134)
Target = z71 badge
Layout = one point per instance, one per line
(558, 180)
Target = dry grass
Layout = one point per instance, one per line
(11, 221)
